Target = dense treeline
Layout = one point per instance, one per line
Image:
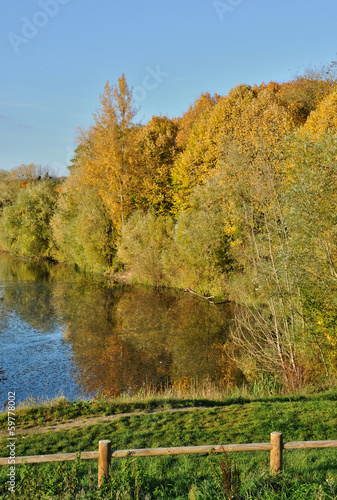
(237, 198)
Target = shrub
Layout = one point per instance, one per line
(25, 225)
(145, 239)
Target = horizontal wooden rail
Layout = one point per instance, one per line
(145, 452)
(300, 445)
(104, 455)
(61, 457)
(190, 450)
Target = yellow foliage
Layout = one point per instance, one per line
(252, 119)
(323, 119)
(154, 152)
(104, 153)
(302, 95)
(195, 111)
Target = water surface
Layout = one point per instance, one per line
(62, 333)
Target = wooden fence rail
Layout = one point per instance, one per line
(104, 453)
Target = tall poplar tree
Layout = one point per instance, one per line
(105, 153)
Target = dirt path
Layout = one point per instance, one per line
(103, 419)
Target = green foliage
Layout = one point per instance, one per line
(62, 481)
(25, 228)
(82, 228)
(200, 257)
(310, 212)
(281, 218)
(8, 190)
(312, 476)
(145, 239)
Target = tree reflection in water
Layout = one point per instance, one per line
(125, 339)
(122, 339)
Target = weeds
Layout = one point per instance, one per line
(177, 478)
(230, 480)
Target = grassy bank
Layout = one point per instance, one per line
(48, 412)
(307, 474)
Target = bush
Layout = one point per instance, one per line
(25, 225)
(201, 252)
(82, 229)
(144, 242)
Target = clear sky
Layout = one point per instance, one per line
(57, 55)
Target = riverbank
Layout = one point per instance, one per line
(59, 411)
(69, 331)
(153, 423)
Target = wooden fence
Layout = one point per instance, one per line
(104, 453)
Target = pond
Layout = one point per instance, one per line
(64, 333)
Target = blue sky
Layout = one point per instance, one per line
(57, 55)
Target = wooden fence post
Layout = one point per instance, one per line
(276, 453)
(104, 460)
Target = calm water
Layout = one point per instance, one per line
(61, 333)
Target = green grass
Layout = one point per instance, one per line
(32, 413)
(177, 477)
(307, 473)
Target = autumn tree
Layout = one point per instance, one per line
(310, 211)
(82, 228)
(205, 143)
(281, 220)
(154, 153)
(104, 155)
(12, 181)
(186, 123)
(268, 321)
(304, 93)
(324, 119)
(250, 226)
(199, 258)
